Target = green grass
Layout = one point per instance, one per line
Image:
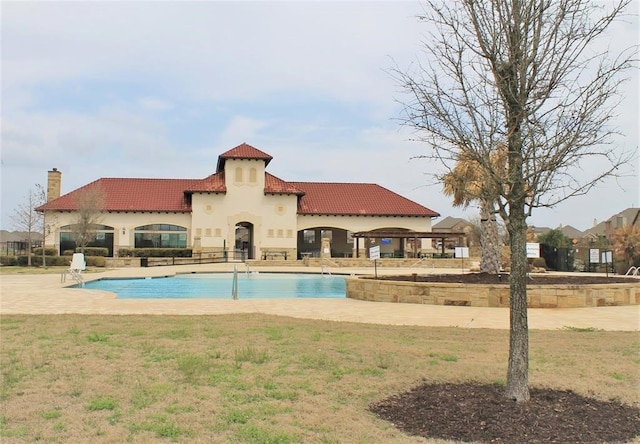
(263, 379)
(103, 402)
(580, 329)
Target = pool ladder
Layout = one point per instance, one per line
(234, 283)
(325, 270)
(75, 274)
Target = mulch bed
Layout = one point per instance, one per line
(535, 279)
(481, 413)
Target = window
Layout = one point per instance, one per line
(160, 227)
(326, 233)
(238, 177)
(207, 232)
(160, 236)
(309, 236)
(280, 232)
(102, 237)
(270, 232)
(253, 175)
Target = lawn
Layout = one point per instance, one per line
(264, 379)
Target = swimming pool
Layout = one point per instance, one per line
(219, 286)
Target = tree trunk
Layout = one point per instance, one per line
(518, 371)
(489, 248)
(29, 248)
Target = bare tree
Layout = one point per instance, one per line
(526, 74)
(26, 218)
(90, 203)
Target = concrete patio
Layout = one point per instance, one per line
(46, 294)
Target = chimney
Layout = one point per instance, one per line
(54, 181)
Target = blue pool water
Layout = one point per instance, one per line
(219, 286)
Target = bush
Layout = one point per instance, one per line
(539, 262)
(96, 261)
(155, 252)
(36, 261)
(47, 251)
(94, 251)
(9, 260)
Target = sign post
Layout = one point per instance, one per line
(533, 251)
(607, 258)
(594, 258)
(374, 255)
(461, 252)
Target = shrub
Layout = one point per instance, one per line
(539, 262)
(47, 251)
(95, 261)
(9, 260)
(94, 251)
(36, 261)
(155, 252)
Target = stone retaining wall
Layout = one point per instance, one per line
(476, 295)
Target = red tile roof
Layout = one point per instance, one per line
(243, 151)
(356, 199)
(274, 185)
(153, 195)
(212, 184)
(132, 195)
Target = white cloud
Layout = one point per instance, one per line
(160, 89)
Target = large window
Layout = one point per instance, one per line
(103, 238)
(160, 236)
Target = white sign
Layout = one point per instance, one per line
(594, 255)
(607, 257)
(374, 252)
(461, 252)
(533, 249)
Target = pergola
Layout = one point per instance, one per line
(403, 234)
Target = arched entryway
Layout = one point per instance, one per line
(244, 248)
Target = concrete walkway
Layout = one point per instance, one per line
(46, 294)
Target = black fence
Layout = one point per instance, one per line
(558, 259)
(208, 258)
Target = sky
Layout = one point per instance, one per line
(161, 89)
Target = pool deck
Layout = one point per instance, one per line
(46, 294)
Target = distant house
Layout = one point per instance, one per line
(572, 233)
(241, 207)
(15, 242)
(630, 216)
(457, 225)
(539, 231)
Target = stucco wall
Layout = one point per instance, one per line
(123, 224)
(211, 226)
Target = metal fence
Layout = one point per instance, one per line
(210, 258)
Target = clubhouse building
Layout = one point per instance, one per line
(243, 208)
